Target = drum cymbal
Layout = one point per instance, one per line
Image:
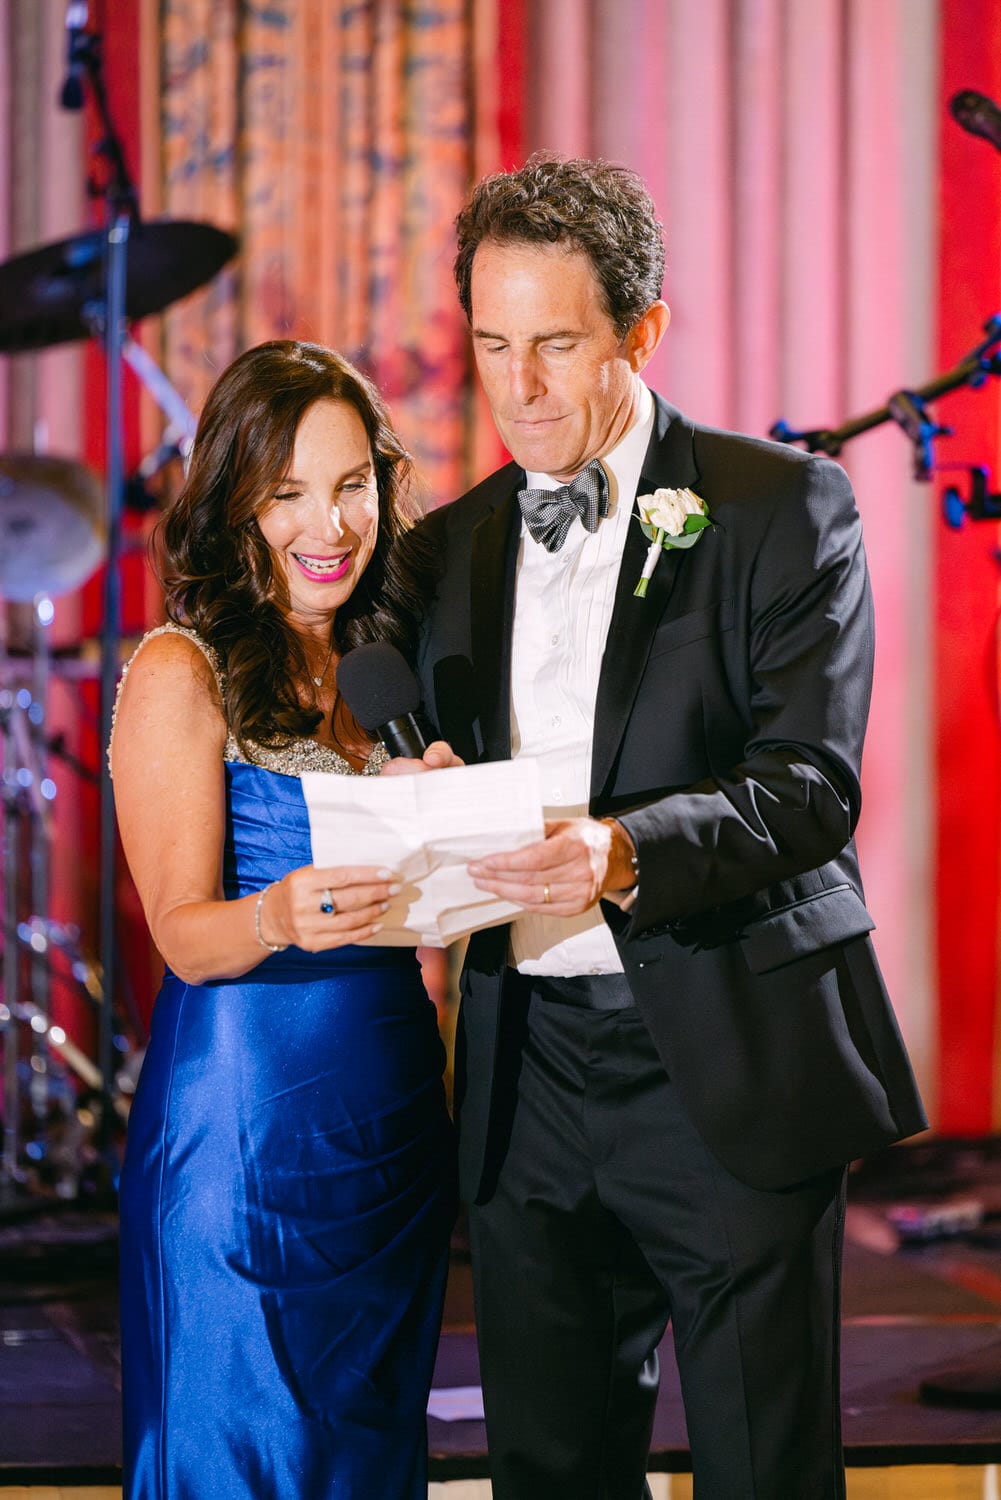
(51, 535)
(51, 295)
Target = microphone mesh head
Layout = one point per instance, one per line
(963, 106)
(377, 685)
(978, 114)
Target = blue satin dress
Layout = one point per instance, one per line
(286, 1204)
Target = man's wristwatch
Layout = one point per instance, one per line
(634, 858)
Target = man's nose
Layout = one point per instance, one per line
(526, 379)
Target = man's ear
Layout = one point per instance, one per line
(641, 342)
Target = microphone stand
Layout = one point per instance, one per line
(974, 1381)
(907, 409)
(108, 321)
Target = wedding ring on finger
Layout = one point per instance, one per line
(545, 895)
(327, 902)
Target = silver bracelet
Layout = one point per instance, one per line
(271, 947)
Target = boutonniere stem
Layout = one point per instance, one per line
(670, 518)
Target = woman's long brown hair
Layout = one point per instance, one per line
(215, 566)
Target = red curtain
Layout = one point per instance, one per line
(967, 578)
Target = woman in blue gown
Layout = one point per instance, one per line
(287, 1194)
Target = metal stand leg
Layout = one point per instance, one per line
(8, 1007)
(114, 332)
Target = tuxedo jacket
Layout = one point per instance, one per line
(728, 730)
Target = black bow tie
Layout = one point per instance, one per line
(549, 514)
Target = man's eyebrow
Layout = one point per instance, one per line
(536, 338)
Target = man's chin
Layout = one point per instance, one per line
(538, 458)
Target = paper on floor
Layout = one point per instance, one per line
(457, 1403)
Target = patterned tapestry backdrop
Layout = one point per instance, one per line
(336, 140)
(832, 236)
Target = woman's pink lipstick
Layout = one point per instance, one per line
(327, 575)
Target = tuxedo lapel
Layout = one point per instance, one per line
(669, 464)
(492, 576)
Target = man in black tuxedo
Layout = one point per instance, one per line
(666, 1061)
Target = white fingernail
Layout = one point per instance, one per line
(395, 888)
(385, 906)
(376, 927)
(385, 874)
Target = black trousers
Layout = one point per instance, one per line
(610, 1217)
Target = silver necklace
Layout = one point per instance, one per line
(319, 680)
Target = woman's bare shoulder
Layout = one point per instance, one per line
(172, 682)
(176, 650)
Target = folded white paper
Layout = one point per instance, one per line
(426, 828)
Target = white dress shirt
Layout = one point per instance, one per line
(562, 610)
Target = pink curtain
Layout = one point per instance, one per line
(790, 146)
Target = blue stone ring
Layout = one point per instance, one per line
(327, 902)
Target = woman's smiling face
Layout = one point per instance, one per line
(323, 520)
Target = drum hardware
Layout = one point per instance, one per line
(90, 285)
(74, 1058)
(56, 294)
(61, 1147)
(57, 1147)
(58, 750)
(31, 1043)
(79, 662)
(31, 1087)
(43, 936)
(142, 268)
(27, 794)
(159, 478)
(51, 529)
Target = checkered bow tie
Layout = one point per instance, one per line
(549, 514)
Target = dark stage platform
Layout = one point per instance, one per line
(909, 1313)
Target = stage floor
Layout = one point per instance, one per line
(909, 1312)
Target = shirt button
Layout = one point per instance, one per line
(554, 640)
(557, 795)
(555, 720)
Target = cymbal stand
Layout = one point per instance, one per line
(114, 333)
(182, 420)
(8, 1011)
(40, 848)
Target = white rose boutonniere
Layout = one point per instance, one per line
(670, 518)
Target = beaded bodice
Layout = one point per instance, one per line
(291, 759)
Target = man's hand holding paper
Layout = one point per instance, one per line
(580, 861)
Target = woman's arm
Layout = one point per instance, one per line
(166, 758)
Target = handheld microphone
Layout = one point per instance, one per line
(77, 15)
(977, 114)
(384, 696)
